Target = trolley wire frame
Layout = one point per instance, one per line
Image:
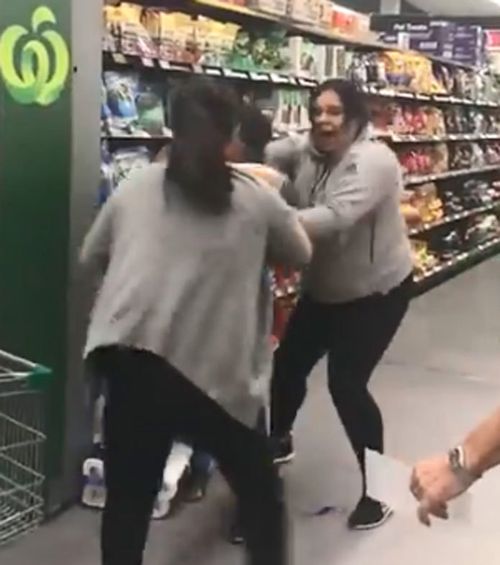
(23, 387)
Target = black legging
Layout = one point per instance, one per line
(149, 403)
(355, 336)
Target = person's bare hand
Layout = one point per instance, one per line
(434, 484)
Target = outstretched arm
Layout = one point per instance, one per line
(434, 482)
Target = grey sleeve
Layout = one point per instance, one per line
(288, 243)
(290, 194)
(283, 155)
(366, 181)
(96, 249)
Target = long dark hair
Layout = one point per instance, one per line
(356, 110)
(203, 122)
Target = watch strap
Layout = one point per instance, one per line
(458, 465)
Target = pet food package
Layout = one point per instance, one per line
(121, 93)
(177, 38)
(151, 108)
(215, 41)
(106, 116)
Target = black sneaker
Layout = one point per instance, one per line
(282, 449)
(369, 514)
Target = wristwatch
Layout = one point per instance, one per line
(456, 458)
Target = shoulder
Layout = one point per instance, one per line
(289, 147)
(254, 191)
(375, 156)
(139, 183)
(267, 177)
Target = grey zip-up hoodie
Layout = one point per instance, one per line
(352, 212)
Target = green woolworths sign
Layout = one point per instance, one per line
(35, 187)
(35, 62)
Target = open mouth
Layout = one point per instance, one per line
(325, 136)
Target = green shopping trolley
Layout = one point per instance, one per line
(22, 439)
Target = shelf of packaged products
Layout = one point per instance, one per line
(147, 139)
(453, 218)
(429, 98)
(422, 179)
(137, 138)
(220, 8)
(449, 269)
(262, 76)
(452, 137)
(279, 78)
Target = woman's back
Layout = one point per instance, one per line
(184, 283)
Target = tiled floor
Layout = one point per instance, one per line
(442, 374)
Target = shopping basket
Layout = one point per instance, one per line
(22, 439)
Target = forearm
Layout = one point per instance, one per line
(482, 446)
(324, 221)
(318, 222)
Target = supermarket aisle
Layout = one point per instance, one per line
(442, 374)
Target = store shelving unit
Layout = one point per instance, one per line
(453, 267)
(405, 139)
(220, 10)
(265, 76)
(428, 226)
(422, 179)
(428, 98)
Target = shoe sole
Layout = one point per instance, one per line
(389, 512)
(284, 460)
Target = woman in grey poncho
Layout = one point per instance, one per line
(174, 325)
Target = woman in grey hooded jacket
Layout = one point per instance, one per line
(357, 288)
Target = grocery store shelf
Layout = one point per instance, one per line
(225, 11)
(420, 97)
(220, 9)
(449, 269)
(137, 138)
(453, 218)
(279, 78)
(397, 138)
(264, 76)
(422, 179)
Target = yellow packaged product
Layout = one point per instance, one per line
(184, 38)
(112, 23)
(165, 39)
(135, 39)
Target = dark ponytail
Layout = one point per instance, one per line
(203, 122)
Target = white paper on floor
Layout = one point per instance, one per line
(388, 479)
